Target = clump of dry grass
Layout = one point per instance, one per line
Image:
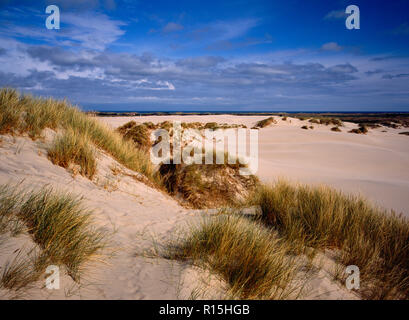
(72, 148)
(208, 185)
(327, 121)
(9, 111)
(304, 127)
(336, 129)
(244, 253)
(216, 126)
(26, 114)
(60, 226)
(138, 133)
(375, 240)
(9, 199)
(361, 130)
(18, 273)
(265, 122)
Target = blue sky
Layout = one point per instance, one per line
(210, 55)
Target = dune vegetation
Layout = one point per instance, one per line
(255, 254)
(60, 226)
(326, 121)
(138, 133)
(375, 240)
(207, 185)
(24, 114)
(249, 257)
(72, 148)
(265, 123)
(362, 129)
(336, 129)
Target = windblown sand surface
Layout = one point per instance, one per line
(375, 164)
(135, 215)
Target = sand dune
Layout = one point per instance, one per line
(132, 213)
(135, 216)
(374, 164)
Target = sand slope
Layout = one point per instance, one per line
(132, 213)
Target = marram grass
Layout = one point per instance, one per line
(375, 240)
(62, 228)
(247, 255)
(26, 114)
(72, 148)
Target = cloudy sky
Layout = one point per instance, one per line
(210, 55)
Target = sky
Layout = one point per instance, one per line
(292, 55)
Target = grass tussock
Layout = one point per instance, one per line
(60, 226)
(138, 133)
(21, 114)
(71, 148)
(265, 122)
(336, 129)
(375, 240)
(361, 130)
(327, 121)
(208, 185)
(244, 253)
(18, 273)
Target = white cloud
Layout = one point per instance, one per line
(93, 30)
(87, 29)
(172, 27)
(335, 14)
(331, 46)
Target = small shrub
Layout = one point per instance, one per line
(336, 129)
(304, 127)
